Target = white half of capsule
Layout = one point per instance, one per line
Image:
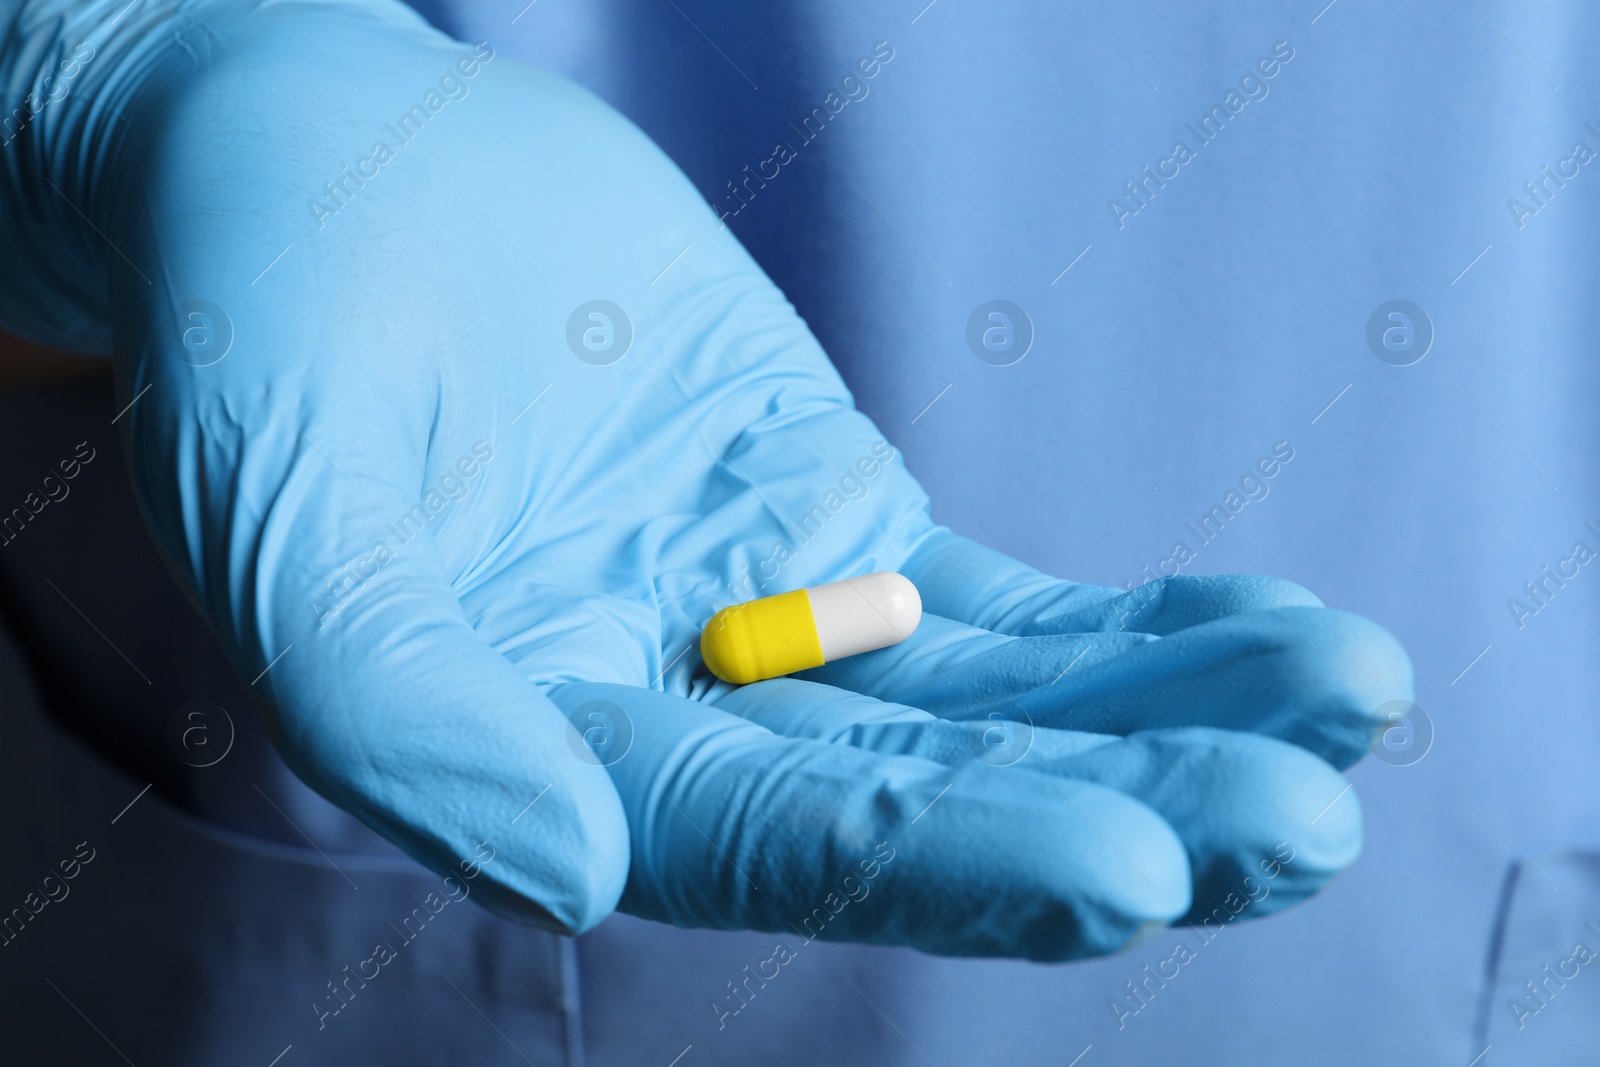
(862, 614)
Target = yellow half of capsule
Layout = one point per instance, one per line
(760, 639)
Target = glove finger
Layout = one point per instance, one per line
(1168, 605)
(1315, 677)
(376, 689)
(950, 667)
(963, 580)
(735, 827)
(1312, 676)
(1264, 824)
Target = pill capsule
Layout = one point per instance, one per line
(790, 632)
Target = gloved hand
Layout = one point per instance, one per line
(437, 502)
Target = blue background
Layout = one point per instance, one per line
(1221, 319)
(1228, 315)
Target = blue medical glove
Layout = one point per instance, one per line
(457, 413)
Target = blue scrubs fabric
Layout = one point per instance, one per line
(1096, 269)
(1209, 217)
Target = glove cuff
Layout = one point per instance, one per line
(76, 76)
